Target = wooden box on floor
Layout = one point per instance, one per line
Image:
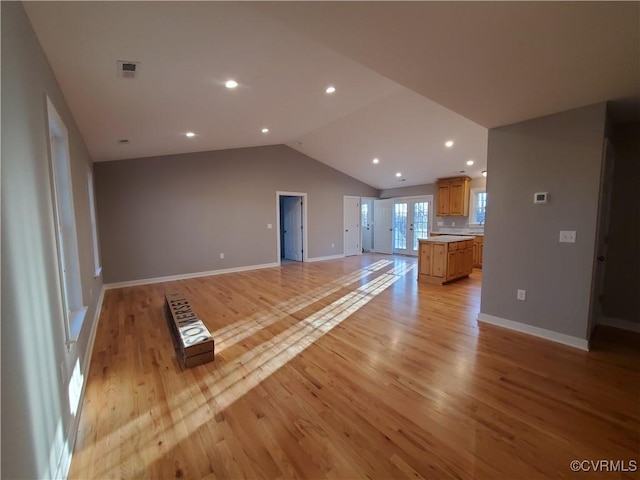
(193, 340)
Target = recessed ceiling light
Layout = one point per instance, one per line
(484, 173)
(265, 130)
(398, 174)
(330, 89)
(231, 84)
(190, 134)
(470, 162)
(448, 143)
(376, 161)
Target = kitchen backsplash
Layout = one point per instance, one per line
(455, 225)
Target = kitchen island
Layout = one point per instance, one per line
(445, 258)
(478, 243)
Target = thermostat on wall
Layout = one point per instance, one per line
(540, 197)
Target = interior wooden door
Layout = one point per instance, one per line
(352, 215)
(383, 226)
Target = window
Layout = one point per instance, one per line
(94, 228)
(478, 206)
(400, 226)
(420, 222)
(365, 215)
(65, 224)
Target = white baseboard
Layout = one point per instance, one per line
(617, 323)
(185, 276)
(65, 461)
(322, 259)
(575, 342)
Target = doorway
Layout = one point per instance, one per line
(292, 222)
(411, 222)
(602, 229)
(367, 224)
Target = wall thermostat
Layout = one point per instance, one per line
(540, 197)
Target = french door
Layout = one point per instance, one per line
(411, 222)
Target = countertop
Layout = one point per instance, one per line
(447, 238)
(475, 234)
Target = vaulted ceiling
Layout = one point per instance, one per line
(408, 76)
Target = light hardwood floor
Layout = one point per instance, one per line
(348, 369)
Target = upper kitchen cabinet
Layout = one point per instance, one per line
(453, 197)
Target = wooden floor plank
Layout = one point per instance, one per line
(348, 368)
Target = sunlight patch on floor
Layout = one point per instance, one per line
(238, 331)
(235, 379)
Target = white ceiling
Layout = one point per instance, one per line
(492, 63)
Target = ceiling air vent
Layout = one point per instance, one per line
(128, 69)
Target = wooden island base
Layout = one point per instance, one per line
(444, 259)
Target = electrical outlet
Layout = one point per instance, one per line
(521, 295)
(441, 223)
(453, 224)
(333, 245)
(567, 236)
(269, 226)
(222, 255)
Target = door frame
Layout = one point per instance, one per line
(305, 239)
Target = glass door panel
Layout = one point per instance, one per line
(400, 224)
(420, 222)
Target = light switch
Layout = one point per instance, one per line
(269, 226)
(567, 236)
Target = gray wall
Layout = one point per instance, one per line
(35, 406)
(622, 268)
(560, 154)
(412, 191)
(174, 215)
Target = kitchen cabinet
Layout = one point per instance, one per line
(452, 198)
(442, 199)
(445, 258)
(478, 247)
(431, 259)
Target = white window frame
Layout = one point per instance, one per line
(473, 203)
(94, 227)
(68, 258)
